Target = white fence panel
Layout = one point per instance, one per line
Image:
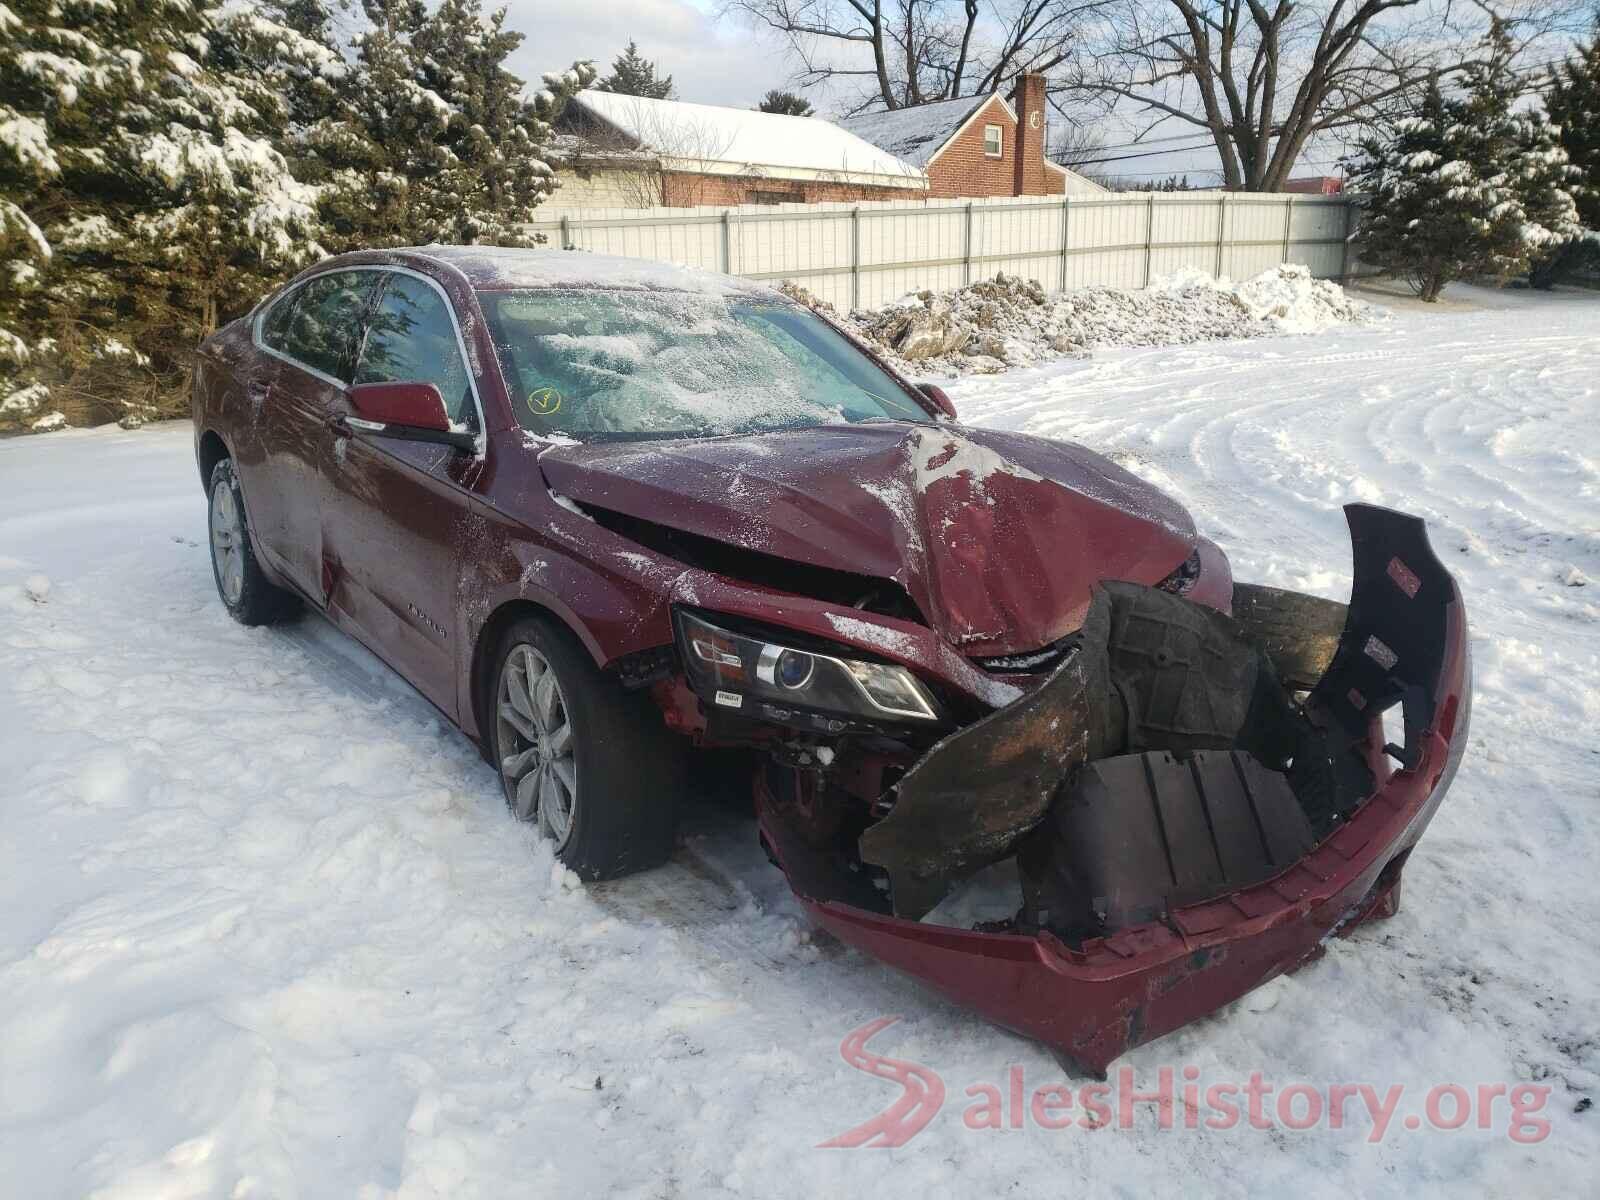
(1185, 233)
(868, 254)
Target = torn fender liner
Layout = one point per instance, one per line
(966, 802)
(1135, 836)
(1299, 633)
(1150, 671)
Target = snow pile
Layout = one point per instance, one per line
(1009, 321)
(1286, 299)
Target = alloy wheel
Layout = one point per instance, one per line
(536, 743)
(227, 542)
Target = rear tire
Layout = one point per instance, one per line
(593, 764)
(245, 591)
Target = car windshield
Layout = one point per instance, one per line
(630, 365)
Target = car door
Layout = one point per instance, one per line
(310, 333)
(393, 520)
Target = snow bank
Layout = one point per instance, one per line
(1009, 321)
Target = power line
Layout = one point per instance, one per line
(1142, 141)
(1090, 162)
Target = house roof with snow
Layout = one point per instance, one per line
(708, 139)
(919, 132)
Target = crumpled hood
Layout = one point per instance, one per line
(997, 537)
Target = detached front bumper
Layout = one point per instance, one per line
(1404, 644)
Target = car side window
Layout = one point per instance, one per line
(412, 338)
(321, 321)
(275, 327)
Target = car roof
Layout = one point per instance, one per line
(500, 268)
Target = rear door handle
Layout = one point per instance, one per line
(256, 391)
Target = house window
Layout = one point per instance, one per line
(760, 196)
(991, 140)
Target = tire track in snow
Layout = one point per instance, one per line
(1483, 432)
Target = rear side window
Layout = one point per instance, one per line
(315, 325)
(412, 338)
(275, 328)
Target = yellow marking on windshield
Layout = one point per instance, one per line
(544, 402)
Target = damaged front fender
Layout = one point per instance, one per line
(1091, 995)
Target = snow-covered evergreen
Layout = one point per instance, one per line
(494, 142)
(163, 163)
(1573, 103)
(1467, 185)
(428, 137)
(141, 193)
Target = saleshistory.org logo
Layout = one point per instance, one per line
(1170, 1105)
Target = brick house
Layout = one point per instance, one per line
(977, 146)
(1315, 185)
(617, 151)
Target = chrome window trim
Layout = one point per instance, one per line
(481, 438)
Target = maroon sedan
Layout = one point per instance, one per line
(605, 513)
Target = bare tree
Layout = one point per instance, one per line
(900, 53)
(1076, 146)
(1261, 78)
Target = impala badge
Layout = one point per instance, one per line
(426, 620)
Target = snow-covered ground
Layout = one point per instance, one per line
(266, 928)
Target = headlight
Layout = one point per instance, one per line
(767, 679)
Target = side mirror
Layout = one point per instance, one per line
(938, 395)
(412, 411)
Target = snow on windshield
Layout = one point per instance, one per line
(607, 364)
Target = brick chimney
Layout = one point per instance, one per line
(1027, 97)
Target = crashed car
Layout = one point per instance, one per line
(606, 514)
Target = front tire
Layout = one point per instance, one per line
(245, 591)
(591, 763)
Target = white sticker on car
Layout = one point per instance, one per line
(730, 699)
(1381, 654)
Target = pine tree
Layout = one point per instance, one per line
(30, 165)
(633, 75)
(311, 76)
(1466, 186)
(1573, 104)
(429, 138)
(496, 173)
(141, 197)
(785, 103)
